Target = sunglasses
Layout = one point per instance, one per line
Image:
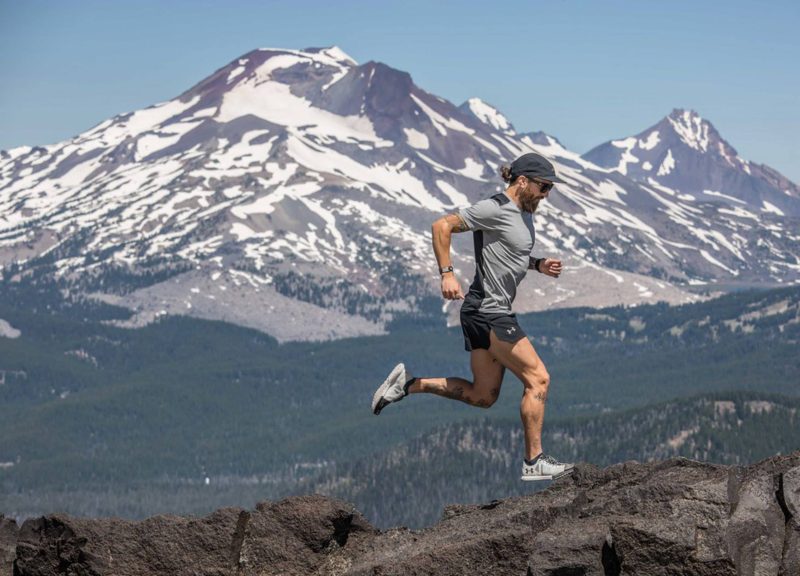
(544, 187)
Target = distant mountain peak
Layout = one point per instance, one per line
(685, 152)
(487, 114)
(334, 52)
(329, 53)
(683, 113)
(693, 129)
(541, 138)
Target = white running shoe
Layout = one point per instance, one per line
(545, 468)
(393, 389)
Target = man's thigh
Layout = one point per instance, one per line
(520, 357)
(487, 371)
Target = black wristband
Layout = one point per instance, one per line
(445, 269)
(536, 262)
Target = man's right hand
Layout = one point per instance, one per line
(451, 289)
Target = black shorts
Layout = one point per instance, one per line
(476, 326)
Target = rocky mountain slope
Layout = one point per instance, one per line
(672, 517)
(474, 461)
(293, 190)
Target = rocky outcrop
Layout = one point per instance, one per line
(8, 541)
(673, 517)
(294, 536)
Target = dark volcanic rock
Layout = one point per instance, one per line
(160, 545)
(300, 535)
(790, 504)
(671, 517)
(8, 541)
(294, 536)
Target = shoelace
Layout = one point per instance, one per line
(550, 460)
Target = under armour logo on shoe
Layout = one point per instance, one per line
(511, 330)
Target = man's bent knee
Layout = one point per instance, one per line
(489, 400)
(539, 378)
(536, 386)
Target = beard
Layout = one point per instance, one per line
(528, 202)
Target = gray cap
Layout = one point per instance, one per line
(535, 166)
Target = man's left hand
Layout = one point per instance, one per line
(551, 267)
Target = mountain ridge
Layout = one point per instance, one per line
(714, 164)
(301, 185)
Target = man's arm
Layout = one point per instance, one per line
(442, 231)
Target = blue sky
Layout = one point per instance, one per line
(584, 71)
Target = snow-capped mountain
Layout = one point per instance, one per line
(293, 191)
(686, 153)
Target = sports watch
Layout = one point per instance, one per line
(445, 269)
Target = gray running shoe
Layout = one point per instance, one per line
(393, 389)
(546, 468)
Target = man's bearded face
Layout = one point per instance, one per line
(529, 197)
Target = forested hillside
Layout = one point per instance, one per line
(129, 416)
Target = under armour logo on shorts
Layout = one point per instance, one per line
(511, 330)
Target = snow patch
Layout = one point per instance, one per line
(771, 208)
(738, 212)
(327, 217)
(724, 153)
(416, 139)
(204, 113)
(235, 73)
(441, 123)
(724, 196)
(7, 330)
(241, 231)
(339, 55)
(18, 151)
(400, 185)
(489, 115)
(472, 169)
(627, 156)
(153, 142)
(716, 262)
(456, 197)
(274, 101)
(149, 118)
(651, 142)
(626, 143)
(692, 130)
(610, 191)
(667, 164)
(266, 204)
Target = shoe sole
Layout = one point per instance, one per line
(550, 477)
(378, 396)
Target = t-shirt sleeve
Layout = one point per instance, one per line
(482, 215)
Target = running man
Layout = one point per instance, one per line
(503, 235)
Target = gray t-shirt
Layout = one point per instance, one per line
(504, 237)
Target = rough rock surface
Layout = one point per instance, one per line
(8, 540)
(671, 517)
